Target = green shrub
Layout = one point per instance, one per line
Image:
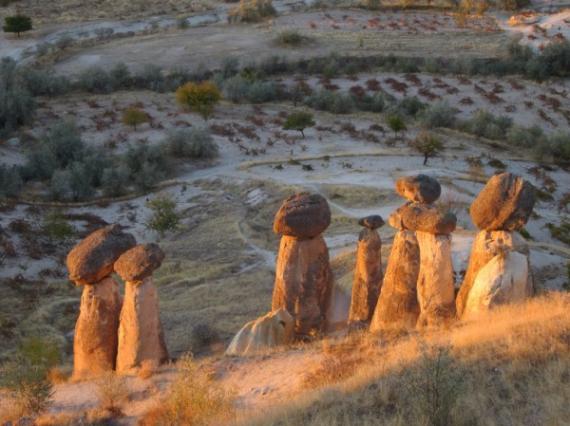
(396, 124)
(325, 100)
(10, 181)
(135, 116)
(439, 114)
(428, 145)
(291, 38)
(25, 376)
(252, 11)
(554, 61)
(488, 125)
(115, 181)
(164, 215)
(16, 102)
(299, 121)
(433, 387)
(192, 143)
(95, 80)
(57, 227)
(199, 97)
(17, 24)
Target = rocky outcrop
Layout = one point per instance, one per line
(303, 278)
(436, 290)
(504, 279)
(397, 306)
(90, 264)
(420, 188)
(484, 248)
(368, 272)
(271, 330)
(504, 204)
(140, 336)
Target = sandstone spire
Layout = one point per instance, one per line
(140, 331)
(90, 264)
(368, 272)
(303, 278)
(498, 255)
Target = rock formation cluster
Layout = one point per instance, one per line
(418, 289)
(498, 270)
(98, 345)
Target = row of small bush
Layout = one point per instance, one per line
(19, 85)
(74, 171)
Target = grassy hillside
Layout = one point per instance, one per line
(510, 367)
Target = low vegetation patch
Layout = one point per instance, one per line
(193, 399)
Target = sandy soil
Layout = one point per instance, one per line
(341, 32)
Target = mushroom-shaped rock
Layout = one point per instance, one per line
(367, 277)
(139, 262)
(424, 218)
(271, 330)
(95, 339)
(436, 290)
(397, 306)
(140, 331)
(419, 188)
(303, 215)
(505, 203)
(92, 259)
(504, 279)
(303, 283)
(372, 222)
(486, 245)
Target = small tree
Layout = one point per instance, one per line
(396, 123)
(299, 121)
(164, 215)
(17, 24)
(199, 97)
(134, 116)
(428, 145)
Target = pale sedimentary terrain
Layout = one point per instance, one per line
(323, 300)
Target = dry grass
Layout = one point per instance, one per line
(511, 366)
(113, 393)
(193, 400)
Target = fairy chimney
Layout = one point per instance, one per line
(502, 207)
(421, 249)
(303, 278)
(90, 264)
(367, 273)
(141, 337)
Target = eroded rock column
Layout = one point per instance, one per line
(90, 264)
(499, 270)
(303, 278)
(434, 285)
(398, 306)
(140, 337)
(368, 273)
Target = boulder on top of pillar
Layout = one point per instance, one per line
(423, 218)
(139, 262)
(372, 222)
(504, 204)
(93, 258)
(419, 188)
(303, 216)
